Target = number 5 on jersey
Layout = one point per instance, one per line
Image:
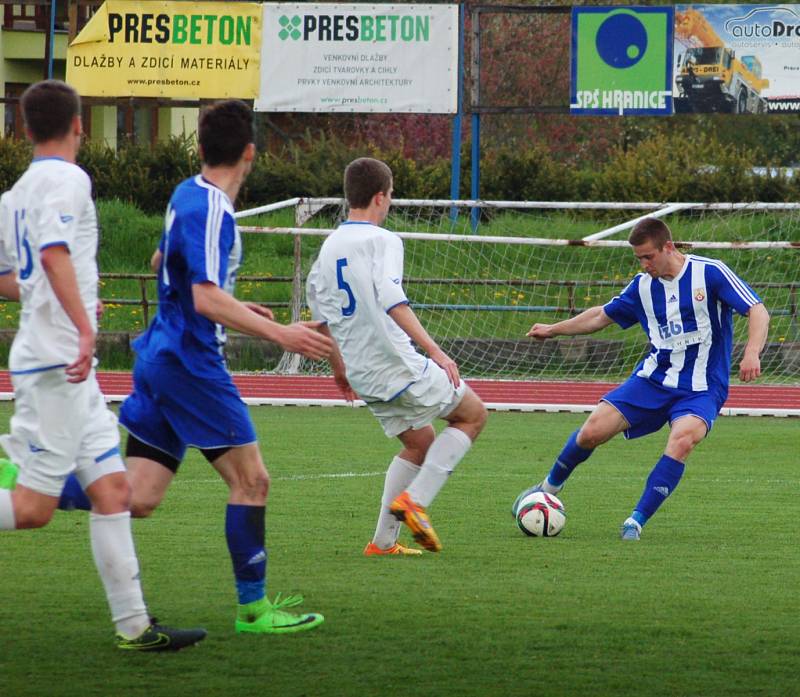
(350, 308)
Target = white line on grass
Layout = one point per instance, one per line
(508, 475)
(294, 477)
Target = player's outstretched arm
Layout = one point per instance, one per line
(587, 322)
(757, 329)
(57, 264)
(218, 306)
(405, 318)
(260, 310)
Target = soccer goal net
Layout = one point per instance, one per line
(479, 274)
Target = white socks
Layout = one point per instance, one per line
(444, 454)
(7, 521)
(399, 475)
(115, 558)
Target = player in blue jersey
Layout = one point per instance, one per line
(685, 305)
(183, 393)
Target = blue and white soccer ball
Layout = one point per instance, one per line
(541, 515)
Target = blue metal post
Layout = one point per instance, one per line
(455, 159)
(476, 167)
(52, 38)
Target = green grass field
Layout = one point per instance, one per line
(706, 604)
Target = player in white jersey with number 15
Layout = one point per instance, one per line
(356, 288)
(685, 305)
(48, 244)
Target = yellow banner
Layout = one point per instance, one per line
(181, 50)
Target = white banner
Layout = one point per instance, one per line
(359, 58)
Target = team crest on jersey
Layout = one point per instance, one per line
(699, 294)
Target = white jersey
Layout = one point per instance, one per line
(355, 281)
(51, 204)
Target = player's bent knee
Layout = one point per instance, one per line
(470, 416)
(591, 435)
(110, 494)
(29, 517)
(252, 486)
(143, 508)
(681, 447)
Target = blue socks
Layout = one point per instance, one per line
(73, 496)
(661, 483)
(244, 530)
(571, 456)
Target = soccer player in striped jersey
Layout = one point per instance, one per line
(48, 247)
(685, 305)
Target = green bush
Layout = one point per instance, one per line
(14, 158)
(138, 174)
(687, 166)
(675, 168)
(526, 175)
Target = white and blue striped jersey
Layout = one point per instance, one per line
(200, 243)
(50, 205)
(689, 322)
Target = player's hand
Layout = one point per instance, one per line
(80, 369)
(447, 364)
(540, 331)
(260, 310)
(302, 337)
(749, 368)
(344, 387)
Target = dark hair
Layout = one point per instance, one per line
(224, 131)
(48, 108)
(363, 178)
(650, 230)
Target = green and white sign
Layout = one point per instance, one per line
(621, 60)
(359, 58)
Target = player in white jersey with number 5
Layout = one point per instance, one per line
(48, 244)
(685, 305)
(356, 288)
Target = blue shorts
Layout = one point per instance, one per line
(647, 406)
(172, 409)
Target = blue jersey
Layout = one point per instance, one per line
(200, 243)
(689, 322)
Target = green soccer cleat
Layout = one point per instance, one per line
(157, 637)
(8, 474)
(265, 617)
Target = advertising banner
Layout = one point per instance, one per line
(741, 59)
(168, 49)
(621, 60)
(359, 58)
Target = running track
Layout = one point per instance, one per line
(778, 400)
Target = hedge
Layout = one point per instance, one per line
(663, 167)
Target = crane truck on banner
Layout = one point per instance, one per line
(710, 77)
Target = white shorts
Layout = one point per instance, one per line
(432, 396)
(58, 428)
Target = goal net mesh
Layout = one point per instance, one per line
(478, 278)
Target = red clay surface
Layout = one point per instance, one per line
(491, 391)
